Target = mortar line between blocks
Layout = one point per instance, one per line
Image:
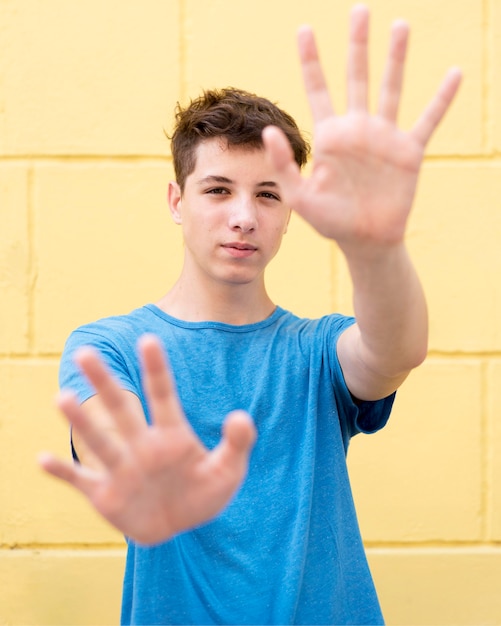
(32, 263)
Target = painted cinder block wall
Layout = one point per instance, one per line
(86, 92)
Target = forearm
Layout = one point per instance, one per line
(391, 334)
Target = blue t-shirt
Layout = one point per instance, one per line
(287, 549)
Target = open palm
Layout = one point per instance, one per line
(365, 169)
(153, 481)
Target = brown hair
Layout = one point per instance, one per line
(235, 115)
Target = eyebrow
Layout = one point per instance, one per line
(213, 178)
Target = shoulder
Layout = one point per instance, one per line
(115, 339)
(136, 322)
(113, 333)
(327, 326)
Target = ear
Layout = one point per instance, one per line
(174, 198)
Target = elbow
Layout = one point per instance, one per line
(419, 356)
(411, 359)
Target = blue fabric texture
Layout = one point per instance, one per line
(287, 549)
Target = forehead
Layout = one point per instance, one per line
(213, 156)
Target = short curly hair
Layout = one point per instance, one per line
(235, 115)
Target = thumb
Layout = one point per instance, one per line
(239, 431)
(239, 435)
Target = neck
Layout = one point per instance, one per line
(236, 304)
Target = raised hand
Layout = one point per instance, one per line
(365, 169)
(153, 481)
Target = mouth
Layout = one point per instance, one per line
(239, 249)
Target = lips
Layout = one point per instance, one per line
(239, 249)
(239, 245)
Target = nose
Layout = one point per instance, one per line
(243, 215)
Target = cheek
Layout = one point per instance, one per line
(283, 227)
(201, 236)
(276, 235)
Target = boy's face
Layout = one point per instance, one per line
(232, 213)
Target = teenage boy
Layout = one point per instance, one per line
(257, 526)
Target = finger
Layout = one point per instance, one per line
(108, 449)
(158, 383)
(391, 88)
(239, 435)
(313, 76)
(358, 72)
(110, 392)
(435, 111)
(279, 151)
(76, 475)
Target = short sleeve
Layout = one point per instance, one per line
(70, 376)
(355, 416)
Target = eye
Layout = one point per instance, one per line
(269, 195)
(217, 191)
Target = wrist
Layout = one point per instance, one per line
(373, 257)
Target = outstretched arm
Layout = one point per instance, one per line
(360, 194)
(150, 482)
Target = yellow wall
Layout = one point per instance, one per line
(86, 89)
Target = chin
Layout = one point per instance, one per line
(240, 278)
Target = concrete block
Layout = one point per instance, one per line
(36, 508)
(105, 244)
(454, 237)
(14, 259)
(87, 77)
(493, 403)
(450, 586)
(272, 70)
(425, 587)
(61, 587)
(300, 278)
(493, 81)
(420, 478)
